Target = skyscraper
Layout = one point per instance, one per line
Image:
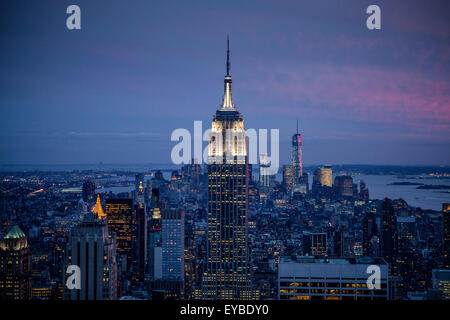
(446, 244)
(154, 236)
(88, 191)
(338, 243)
(314, 244)
(288, 178)
(370, 231)
(154, 241)
(93, 250)
(169, 258)
(325, 176)
(139, 191)
(322, 181)
(15, 266)
(227, 273)
(363, 191)
(264, 171)
(343, 186)
(297, 156)
(388, 232)
(173, 244)
(140, 242)
(119, 213)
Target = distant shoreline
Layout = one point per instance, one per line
(441, 172)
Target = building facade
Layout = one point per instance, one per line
(15, 266)
(119, 213)
(173, 245)
(324, 176)
(441, 282)
(388, 232)
(446, 236)
(227, 274)
(288, 178)
(343, 187)
(297, 156)
(307, 278)
(93, 250)
(315, 244)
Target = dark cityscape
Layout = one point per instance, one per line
(236, 213)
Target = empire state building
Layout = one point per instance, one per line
(227, 274)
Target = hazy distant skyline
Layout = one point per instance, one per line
(114, 91)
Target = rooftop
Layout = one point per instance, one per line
(15, 233)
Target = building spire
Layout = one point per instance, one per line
(297, 125)
(98, 209)
(227, 103)
(228, 55)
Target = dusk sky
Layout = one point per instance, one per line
(137, 70)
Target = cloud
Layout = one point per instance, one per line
(370, 94)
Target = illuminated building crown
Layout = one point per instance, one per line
(227, 103)
(15, 240)
(98, 209)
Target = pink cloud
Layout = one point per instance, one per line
(369, 93)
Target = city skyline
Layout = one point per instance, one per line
(113, 93)
(215, 233)
(228, 273)
(127, 173)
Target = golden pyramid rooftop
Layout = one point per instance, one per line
(98, 209)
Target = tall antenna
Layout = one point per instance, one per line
(228, 55)
(297, 125)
